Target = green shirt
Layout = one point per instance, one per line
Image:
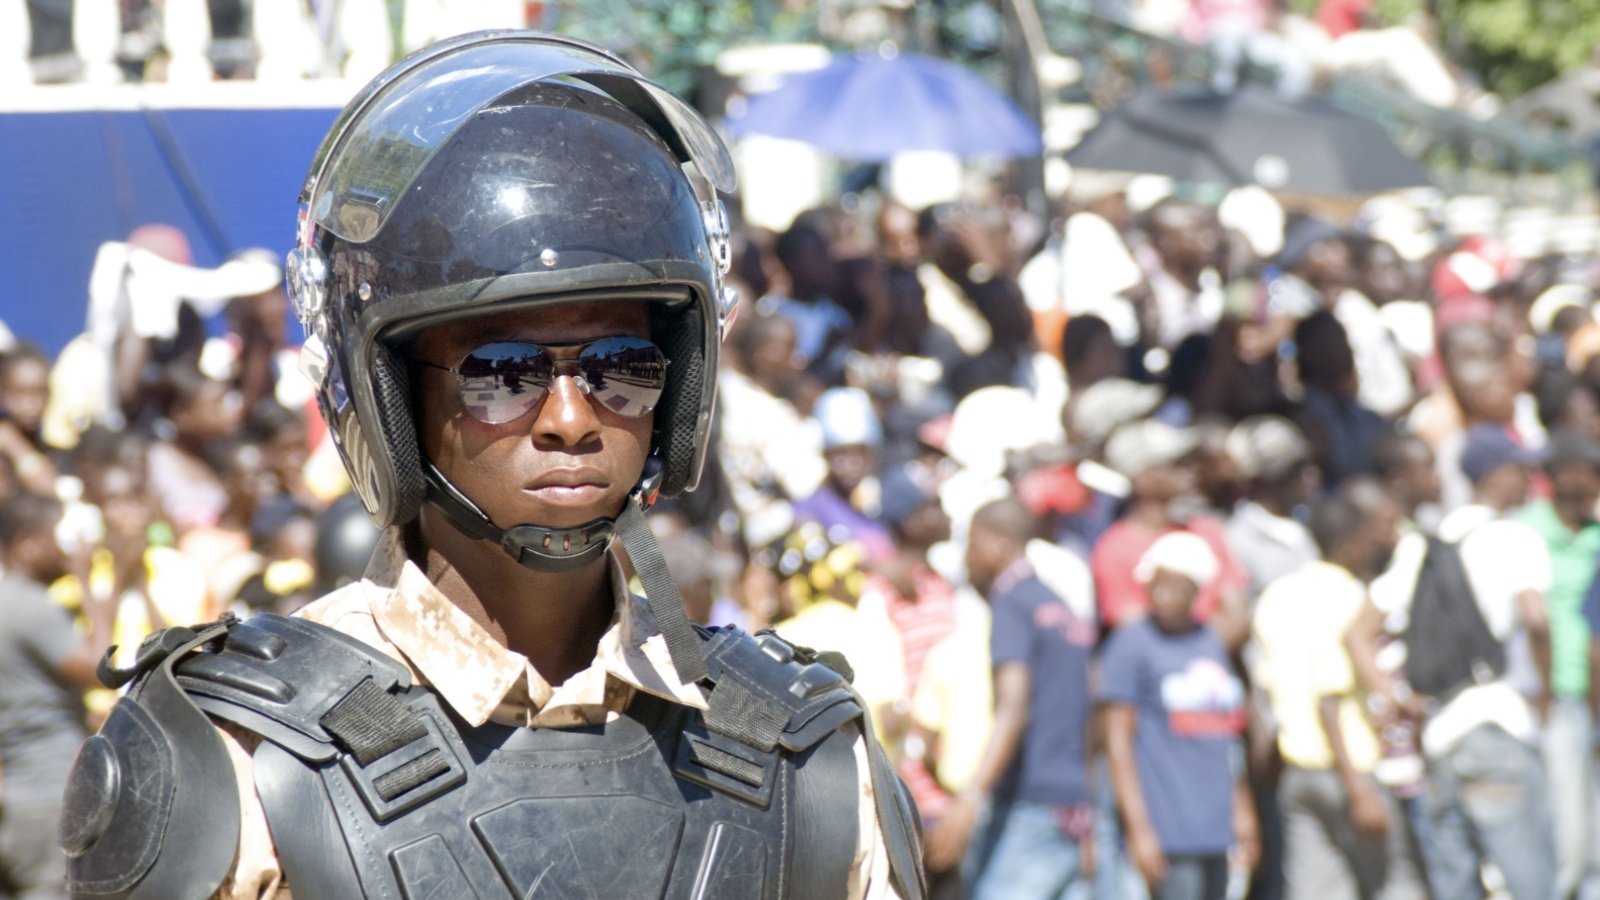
(1572, 567)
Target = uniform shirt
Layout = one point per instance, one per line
(397, 610)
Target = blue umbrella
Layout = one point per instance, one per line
(870, 107)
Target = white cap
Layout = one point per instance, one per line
(1266, 446)
(1105, 405)
(1182, 552)
(1147, 443)
(847, 417)
(1257, 215)
(1542, 314)
(990, 422)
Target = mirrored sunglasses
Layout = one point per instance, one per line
(506, 380)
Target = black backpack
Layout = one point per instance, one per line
(1448, 644)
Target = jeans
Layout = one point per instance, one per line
(1194, 878)
(1574, 793)
(1487, 802)
(1022, 854)
(1115, 877)
(1327, 859)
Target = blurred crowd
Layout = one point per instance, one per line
(1182, 549)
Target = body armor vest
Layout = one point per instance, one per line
(373, 788)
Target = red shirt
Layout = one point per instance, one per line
(1118, 592)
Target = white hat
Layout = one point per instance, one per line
(990, 422)
(1542, 314)
(1257, 215)
(1266, 446)
(847, 417)
(1147, 443)
(1107, 404)
(1183, 552)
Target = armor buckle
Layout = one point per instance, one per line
(389, 788)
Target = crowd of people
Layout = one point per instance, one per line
(1180, 550)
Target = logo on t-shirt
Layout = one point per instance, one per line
(1056, 616)
(1203, 700)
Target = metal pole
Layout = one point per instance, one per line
(1022, 45)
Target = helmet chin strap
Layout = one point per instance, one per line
(542, 549)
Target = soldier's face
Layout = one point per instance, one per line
(566, 462)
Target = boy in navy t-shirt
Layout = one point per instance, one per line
(1174, 712)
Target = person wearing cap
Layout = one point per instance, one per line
(1154, 457)
(1090, 417)
(1343, 832)
(851, 439)
(1487, 792)
(1566, 522)
(1274, 459)
(1174, 712)
(1036, 839)
(509, 266)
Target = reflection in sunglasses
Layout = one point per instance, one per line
(503, 381)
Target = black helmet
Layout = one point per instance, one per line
(497, 170)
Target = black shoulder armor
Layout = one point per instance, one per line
(151, 810)
(351, 747)
(763, 679)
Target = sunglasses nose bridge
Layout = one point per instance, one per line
(569, 366)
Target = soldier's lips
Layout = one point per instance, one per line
(568, 494)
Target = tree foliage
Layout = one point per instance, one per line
(1510, 46)
(675, 38)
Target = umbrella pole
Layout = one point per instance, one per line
(1022, 44)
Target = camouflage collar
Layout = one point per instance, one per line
(483, 680)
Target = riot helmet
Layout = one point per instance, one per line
(496, 171)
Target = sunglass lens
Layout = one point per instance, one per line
(626, 374)
(501, 382)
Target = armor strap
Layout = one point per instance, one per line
(897, 817)
(683, 644)
(736, 711)
(372, 723)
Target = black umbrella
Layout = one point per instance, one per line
(1250, 136)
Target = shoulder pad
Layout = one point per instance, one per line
(151, 808)
(769, 692)
(279, 677)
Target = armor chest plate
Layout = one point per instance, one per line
(624, 810)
